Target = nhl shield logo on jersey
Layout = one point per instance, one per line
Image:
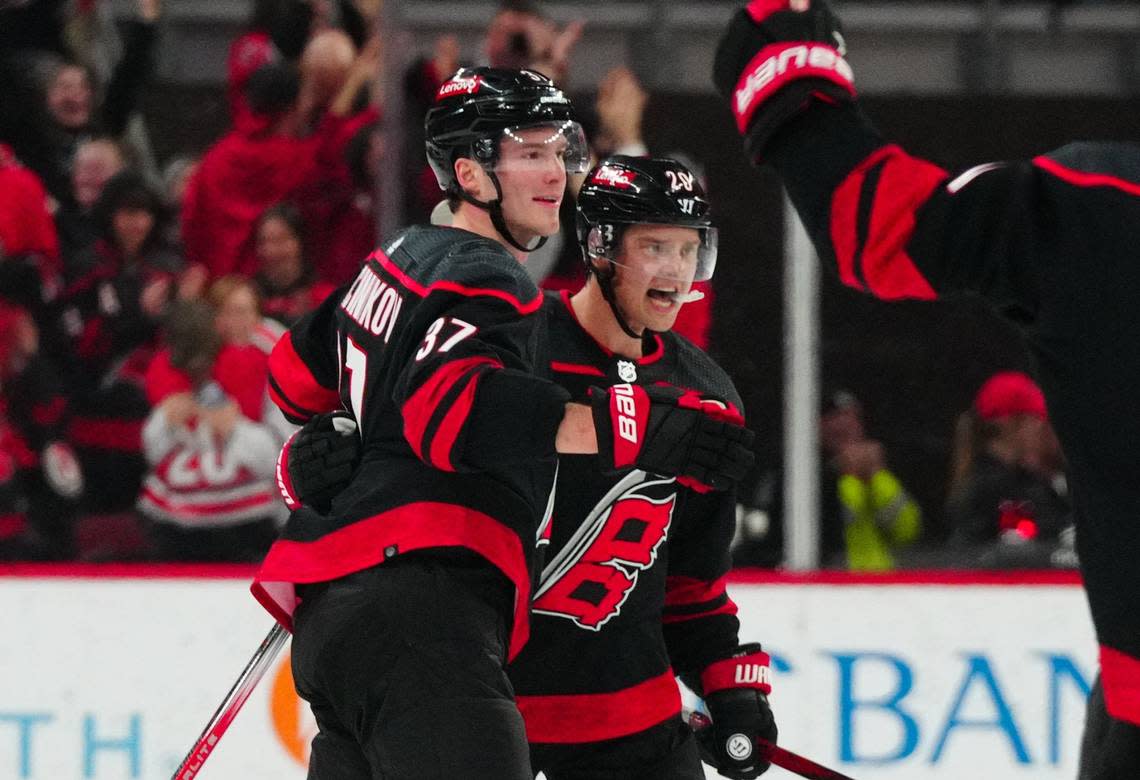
(591, 577)
(627, 371)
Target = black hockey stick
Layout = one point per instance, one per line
(231, 705)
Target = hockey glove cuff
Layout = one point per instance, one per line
(775, 61)
(736, 695)
(665, 430)
(317, 462)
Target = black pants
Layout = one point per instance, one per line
(667, 751)
(403, 666)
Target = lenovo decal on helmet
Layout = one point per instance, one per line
(622, 191)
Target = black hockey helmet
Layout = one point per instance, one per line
(478, 108)
(622, 191)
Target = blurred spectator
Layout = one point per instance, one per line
(875, 514)
(352, 233)
(116, 297)
(75, 110)
(422, 81)
(251, 169)
(866, 515)
(620, 105)
(210, 494)
(521, 36)
(175, 177)
(279, 30)
(40, 478)
(336, 203)
(287, 284)
(1004, 508)
(30, 268)
(96, 161)
(238, 319)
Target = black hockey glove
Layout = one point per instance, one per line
(664, 430)
(736, 694)
(776, 59)
(317, 462)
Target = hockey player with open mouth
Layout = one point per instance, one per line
(633, 589)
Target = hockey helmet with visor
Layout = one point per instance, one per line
(622, 191)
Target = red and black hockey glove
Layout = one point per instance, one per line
(736, 693)
(317, 462)
(664, 430)
(777, 59)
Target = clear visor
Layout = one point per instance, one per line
(675, 256)
(543, 147)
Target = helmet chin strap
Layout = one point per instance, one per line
(606, 283)
(495, 209)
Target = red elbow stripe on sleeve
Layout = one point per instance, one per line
(420, 408)
(292, 385)
(873, 219)
(745, 671)
(681, 591)
(1120, 675)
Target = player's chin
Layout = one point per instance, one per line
(660, 321)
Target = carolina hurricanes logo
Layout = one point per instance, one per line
(613, 177)
(459, 85)
(592, 576)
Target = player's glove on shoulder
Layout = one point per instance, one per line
(317, 462)
(776, 60)
(736, 694)
(665, 430)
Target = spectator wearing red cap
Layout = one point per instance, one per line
(1003, 511)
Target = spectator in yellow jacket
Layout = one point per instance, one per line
(877, 514)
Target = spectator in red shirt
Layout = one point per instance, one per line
(285, 279)
(30, 268)
(250, 169)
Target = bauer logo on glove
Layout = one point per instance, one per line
(665, 430)
(778, 59)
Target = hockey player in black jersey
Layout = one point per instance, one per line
(408, 590)
(633, 589)
(1051, 242)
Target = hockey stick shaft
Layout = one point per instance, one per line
(793, 762)
(231, 705)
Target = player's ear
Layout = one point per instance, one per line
(473, 179)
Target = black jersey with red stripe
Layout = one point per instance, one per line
(1052, 243)
(632, 589)
(438, 350)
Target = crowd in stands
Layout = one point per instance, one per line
(138, 302)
